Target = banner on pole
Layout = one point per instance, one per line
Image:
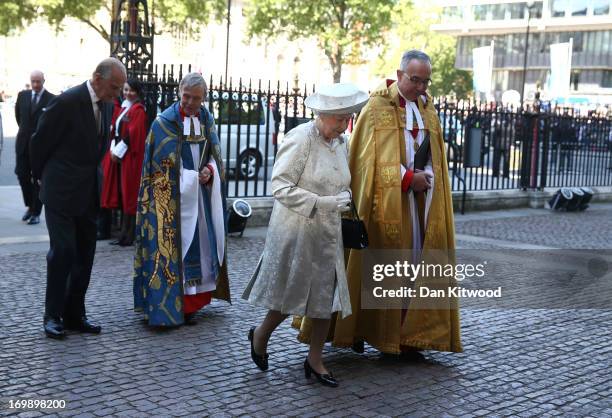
(482, 62)
(560, 69)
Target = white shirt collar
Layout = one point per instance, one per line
(92, 93)
(39, 93)
(423, 98)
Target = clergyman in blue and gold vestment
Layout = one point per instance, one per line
(180, 261)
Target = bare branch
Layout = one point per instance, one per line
(100, 29)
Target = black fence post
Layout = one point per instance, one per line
(527, 153)
(543, 125)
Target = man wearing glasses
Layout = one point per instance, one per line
(401, 189)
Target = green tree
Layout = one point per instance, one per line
(344, 29)
(411, 30)
(183, 15)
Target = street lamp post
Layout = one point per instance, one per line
(227, 39)
(530, 7)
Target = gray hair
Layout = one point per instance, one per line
(192, 80)
(105, 67)
(413, 54)
(37, 72)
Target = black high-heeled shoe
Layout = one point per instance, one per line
(324, 379)
(260, 360)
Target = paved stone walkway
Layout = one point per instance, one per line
(521, 362)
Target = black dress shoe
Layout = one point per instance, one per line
(190, 319)
(260, 360)
(26, 215)
(34, 219)
(324, 379)
(83, 325)
(54, 328)
(412, 355)
(100, 236)
(408, 355)
(358, 347)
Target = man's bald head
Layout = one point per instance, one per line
(108, 79)
(37, 80)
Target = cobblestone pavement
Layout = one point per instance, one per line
(591, 229)
(522, 362)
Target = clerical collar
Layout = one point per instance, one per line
(197, 126)
(183, 114)
(403, 100)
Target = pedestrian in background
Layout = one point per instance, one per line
(28, 108)
(122, 164)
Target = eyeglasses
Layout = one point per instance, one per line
(416, 80)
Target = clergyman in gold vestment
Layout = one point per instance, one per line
(403, 209)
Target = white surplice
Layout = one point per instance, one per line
(412, 114)
(193, 213)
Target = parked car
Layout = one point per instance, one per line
(248, 127)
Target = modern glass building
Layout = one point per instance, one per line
(587, 22)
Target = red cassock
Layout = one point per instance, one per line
(124, 185)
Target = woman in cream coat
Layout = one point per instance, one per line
(301, 271)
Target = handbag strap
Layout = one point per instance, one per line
(353, 208)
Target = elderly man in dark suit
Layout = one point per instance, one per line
(28, 108)
(65, 152)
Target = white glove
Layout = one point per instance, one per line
(344, 201)
(119, 149)
(338, 203)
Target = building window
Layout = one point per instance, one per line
(601, 7)
(575, 79)
(497, 11)
(579, 7)
(536, 11)
(452, 14)
(605, 36)
(480, 12)
(577, 42)
(606, 81)
(504, 11)
(558, 7)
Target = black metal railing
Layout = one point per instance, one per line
(518, 148)
(250, 119)
(527, 148)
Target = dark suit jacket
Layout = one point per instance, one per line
(27, 118)
(65, 152)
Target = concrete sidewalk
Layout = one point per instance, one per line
(13, 231)
(17, 236)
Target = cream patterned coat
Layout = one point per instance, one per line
(301, 270)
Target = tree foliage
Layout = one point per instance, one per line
(412, 30)
(344, 29)
(183, 15)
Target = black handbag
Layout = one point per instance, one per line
(354, 234)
